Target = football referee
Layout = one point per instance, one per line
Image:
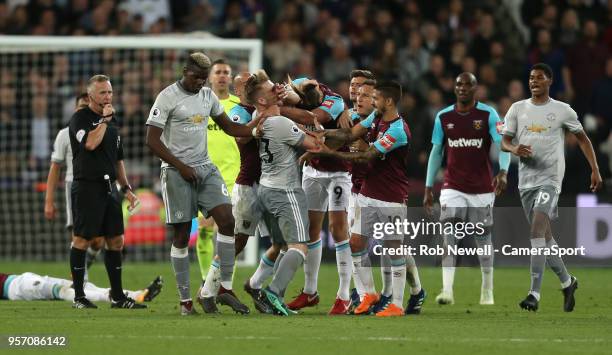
(96, 204)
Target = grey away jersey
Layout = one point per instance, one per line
(62, 152)
(542, 127)
(184, 118)
(278, 153)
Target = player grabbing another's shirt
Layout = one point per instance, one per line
(383, 195)
(538, 126)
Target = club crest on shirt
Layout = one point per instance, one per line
(197, 118)
(387, 141)
(246, 224)
(477, 124)
(550, 117)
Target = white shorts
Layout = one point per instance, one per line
(68, 204)
(351, 213)
(467, 207)
(31, 287)
(326, 191)
(247, 211)
(370, 213)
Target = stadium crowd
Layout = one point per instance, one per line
(423, 44)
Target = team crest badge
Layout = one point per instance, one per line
(551, 117)
(246, 224)
(477, 124)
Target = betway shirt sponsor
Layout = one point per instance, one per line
(543, 128)
(184, 118)
(467, 137)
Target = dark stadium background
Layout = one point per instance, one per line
(422, 44)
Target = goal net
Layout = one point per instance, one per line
(40, 78)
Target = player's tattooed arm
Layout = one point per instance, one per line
(355, 157)
(587, 149)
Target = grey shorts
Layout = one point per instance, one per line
(182, 199)
(68, 204)
(541, 199)
(288, 209)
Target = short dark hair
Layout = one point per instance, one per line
(309, 96)
(81, 96)
(371, 82)
(362, 73)
(390, 89)
(545, 68)
(219, 61)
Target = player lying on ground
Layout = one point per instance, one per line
(33, 287)
(538, 127)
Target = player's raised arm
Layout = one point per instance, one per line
(232, 128)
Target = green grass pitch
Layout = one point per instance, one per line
(463, 328)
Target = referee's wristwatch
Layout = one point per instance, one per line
(126, 188)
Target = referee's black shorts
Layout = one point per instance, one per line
(96, 212)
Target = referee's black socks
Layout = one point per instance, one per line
(112, 261)
(77, 267)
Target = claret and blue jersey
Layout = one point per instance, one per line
(387, 178)
(467, 138)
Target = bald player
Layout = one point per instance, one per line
(466, 130)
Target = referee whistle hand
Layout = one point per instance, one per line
(108, 110)
(50, 211)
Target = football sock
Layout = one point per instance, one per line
(179, 258)
(345, 266)
(486, 262)
(448, 265)
(412, 275)
(558, 266)
(363, 267)
(398, 271)
(227, 257)
(278, 260)
(311, 267)
(538, 262)
(385, 273)
(77, 268)
(212, 283)
(264, 270)
(112, 261)
(205, 249)
(288, 266)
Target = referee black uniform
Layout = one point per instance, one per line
(96, 203)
